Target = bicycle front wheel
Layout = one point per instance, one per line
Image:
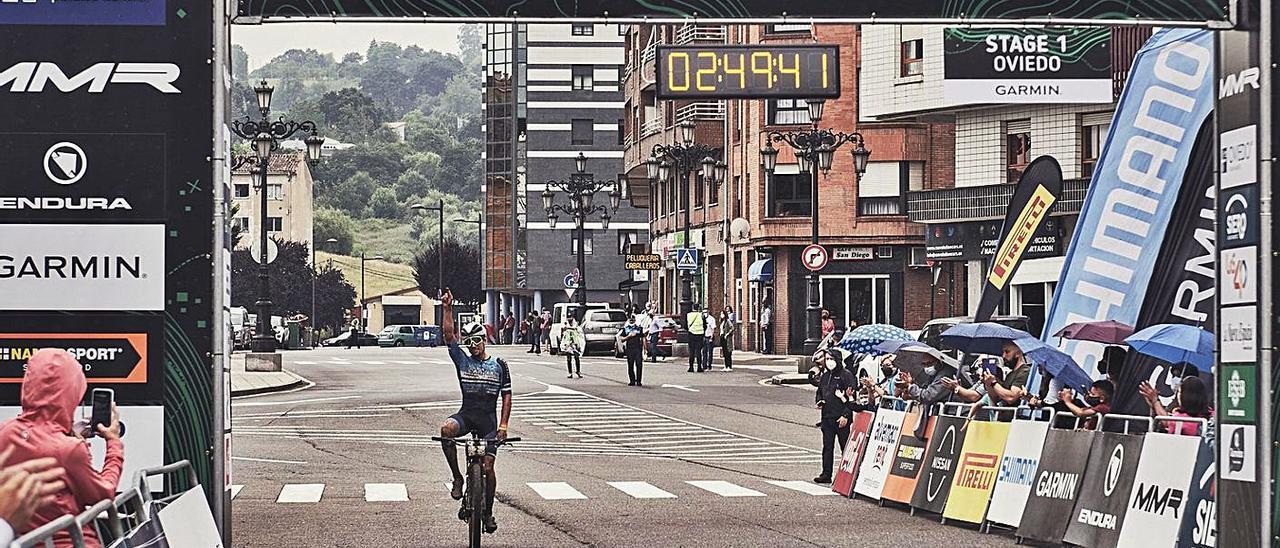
(475, 494)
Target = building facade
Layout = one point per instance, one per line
(289, 200)
(551, 93)
(753, 227)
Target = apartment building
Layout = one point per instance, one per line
(289, 200)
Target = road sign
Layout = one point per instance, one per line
(273, 250)
(569, 291)
(645, 261)
(570, 281)
(687, 258)
(814, 257)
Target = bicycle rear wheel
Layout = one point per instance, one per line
(475, 494)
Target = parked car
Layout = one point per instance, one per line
(667, 337)
(560, 313)
(366, 339)
(600, 327)
(409, 335)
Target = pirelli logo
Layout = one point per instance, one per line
(1020, 236)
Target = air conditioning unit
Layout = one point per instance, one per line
(919, 258)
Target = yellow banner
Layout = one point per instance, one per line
(976, 475)
(1020, 236)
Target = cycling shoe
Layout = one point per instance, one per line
(490, 524)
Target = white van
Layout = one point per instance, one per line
(559, 313)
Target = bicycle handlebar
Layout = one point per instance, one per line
(473, 439)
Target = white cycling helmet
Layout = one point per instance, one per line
(472, 334)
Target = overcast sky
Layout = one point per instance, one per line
(265, 42)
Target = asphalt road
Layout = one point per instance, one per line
(718, 459)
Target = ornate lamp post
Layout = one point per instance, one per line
(581, 189)
(266, 134)
(688, 158)
(815, 150)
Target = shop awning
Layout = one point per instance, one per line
(761, 271)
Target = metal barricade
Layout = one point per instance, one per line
(171, 492)
(1128, 419)
(90, 516)
(1204, 423)
(43, 535)
(128, 505)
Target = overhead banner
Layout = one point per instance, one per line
(1104, 496)
(1135, 188)
(1187, 10)
(909, 461)
(1059, 482)
(881, 448)
(1018, 469)
(1159, 497)
(979, 465)
(940, 463)
(1199, 527)
(1038, 189)
(1026, 65)
(853, 451)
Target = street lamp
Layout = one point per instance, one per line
(685, 157)
(815, 151)
(364, 322)
(314, 275)
(266, 134)
(581, 188)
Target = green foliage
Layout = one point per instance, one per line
(332, 223)
(239, 63)
(291, 278)
(461, 273)
(351, 195)
(385, 205)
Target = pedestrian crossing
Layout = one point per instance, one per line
(313, 493)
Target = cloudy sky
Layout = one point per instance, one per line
(264, 42)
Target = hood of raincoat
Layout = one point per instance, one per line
(52, 388)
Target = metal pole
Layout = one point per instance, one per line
(361, 319)
(580, 219)
(265, 341)
(686, 276)
(313, 291)
(440, 252)
(812, 311)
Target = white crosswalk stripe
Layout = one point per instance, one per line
(725, 489)
(641, 490)
(556, 490)
(385, 492)
(301, 493)
(804, 487)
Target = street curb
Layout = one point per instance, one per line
(299, 382)
(789, 378)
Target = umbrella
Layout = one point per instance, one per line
(863, 339)
(981, 337)
(1056, 363)
(1105, 331)
(927, 350)
(893, 347)
(1175, 343)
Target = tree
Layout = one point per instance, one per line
(239, 63)
(352, 195)
(383, 204)
(236, 232)
(334, 297)
(461, 275)
(331, 223)
(291, 278)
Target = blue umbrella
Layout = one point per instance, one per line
(863, 339)
(1056, 363)
(1175, 343)
(981, 337)
(892, 347)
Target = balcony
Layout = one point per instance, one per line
(700, 110)
(700, 33)
(651, 126)
(987, 202)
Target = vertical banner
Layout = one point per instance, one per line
(979, 464)
(1104, 495)
(881, 447)
(940, 464)
(853, 450)
(904, 474)
(1159, 498)
(1108, 266)
(1059, 482)
(1199, 527)
(1018, 469)
(1038, 189)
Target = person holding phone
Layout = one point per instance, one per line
(52, 389)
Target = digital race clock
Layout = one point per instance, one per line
(809, 71)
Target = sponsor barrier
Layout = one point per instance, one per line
(1104, 496)
(1200, 521)
(881, 447)
(979, 463)
(940, 460)
(909, 460)
(853, 449)
(1057, 485)
(1018, 469)
(1158, 501)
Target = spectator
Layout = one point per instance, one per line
(52, 388)
(509, 328)
(1099, 401)
(544, 325)
(728, 332)
(709, 339)
(572, 345)
(24, 487)
(1111, 363)
(936, 389)
(1190, 401)
(695, 323)
(836, 384)
(1009, 392)
(533, 332)
(766, 328)
(886, 386)
(653, 331)
(828, 324)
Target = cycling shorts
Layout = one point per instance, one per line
(484, 425)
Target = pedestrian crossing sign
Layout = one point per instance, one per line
(687, 258)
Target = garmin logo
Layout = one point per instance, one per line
(55, 203)
(105, 267)
(33, 77)
(1057, 485)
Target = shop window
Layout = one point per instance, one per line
(242, 190)
(789, 28)
(573, 243)
(1092, 137)
(582, 78)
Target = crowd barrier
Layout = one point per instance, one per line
(135, 519)
(1035, 473)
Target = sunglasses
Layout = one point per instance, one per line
(473, 341)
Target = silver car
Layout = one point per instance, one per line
(601, 326)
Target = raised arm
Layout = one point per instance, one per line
(446, 323)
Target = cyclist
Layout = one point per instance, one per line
(482, 379)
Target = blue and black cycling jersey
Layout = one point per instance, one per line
(482, 381)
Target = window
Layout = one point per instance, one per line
(864, 299)
(275, 224)
(883, 187)
(275, 192)
(626, 239)
(583, 133)
(573, 243)
(737, 196)
(1017, 148)
(241, 224)
(584, 30)
(582, 78)
(699, 189)
(788, 112)
(242, 190)
(789, 194)
(622, 130)
(713, 197)
(788, 28)
(1093, 134)
(912, 50)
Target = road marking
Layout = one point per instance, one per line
(301, 493)
(305, 363)
(385, 492)
(295, 402)
(402, 362)
(556, 490)
(680, 387)
(272, 461)
(235, 490)
(641, 490)
(804, 487)
(725, 489)
(373, 363)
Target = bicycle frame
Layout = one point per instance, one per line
(477, 480)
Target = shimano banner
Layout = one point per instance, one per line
(1032, 201)
(1135, 190)
(1017, 471)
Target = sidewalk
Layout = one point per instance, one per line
(244, 383)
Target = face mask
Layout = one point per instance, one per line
(930, 371)
(888, 371)
(1092, 400)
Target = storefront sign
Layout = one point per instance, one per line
(1026, 65)
(978, 240)
(853, 253)
(645, 261)
(979, 466)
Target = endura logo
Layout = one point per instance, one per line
(34, 77)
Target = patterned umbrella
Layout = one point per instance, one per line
(863, 339)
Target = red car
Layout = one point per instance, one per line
(670, 334)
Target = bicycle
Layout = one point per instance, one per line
(473, 496)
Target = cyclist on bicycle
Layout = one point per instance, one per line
(482, 379)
